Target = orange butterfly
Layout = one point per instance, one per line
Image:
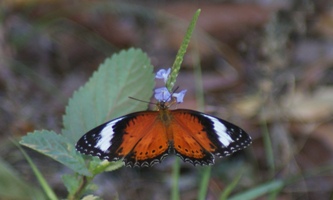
(147, 137)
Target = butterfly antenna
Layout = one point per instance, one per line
(175, 90)
(141, 100)
(170, 97)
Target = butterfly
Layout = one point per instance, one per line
(145, 138)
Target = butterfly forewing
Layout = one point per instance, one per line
(138, 138)
(98, 141)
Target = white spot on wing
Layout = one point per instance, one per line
(221, 131)
(104, 142)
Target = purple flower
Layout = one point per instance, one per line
(179, 96)
(163, 74)
(162, 94)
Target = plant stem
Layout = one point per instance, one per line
(175, 179)
(83, 184)
(181, 52)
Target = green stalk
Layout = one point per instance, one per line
(181, 52)
(45, 186)
(227, 191)
(204, 182)
(175, 180)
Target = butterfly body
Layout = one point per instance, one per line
(147, 137)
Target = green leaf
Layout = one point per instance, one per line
(114, 166)
(91, 197)
(74, 181)
(105, 95)
(57, 147)
(71, 181)
(97, 166)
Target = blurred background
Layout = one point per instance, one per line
(266, 66)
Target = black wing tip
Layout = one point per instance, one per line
(233, 148)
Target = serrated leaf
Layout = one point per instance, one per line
(57, 147)
(105, 95)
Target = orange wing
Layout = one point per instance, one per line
(189, 140)
(145, 141)
(138, 138)
(197, 137)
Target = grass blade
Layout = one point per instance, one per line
(204, 182)
(260, 190)
(225, 194)
(45, 186)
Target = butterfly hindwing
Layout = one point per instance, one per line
(189, 140)
(213, 135)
